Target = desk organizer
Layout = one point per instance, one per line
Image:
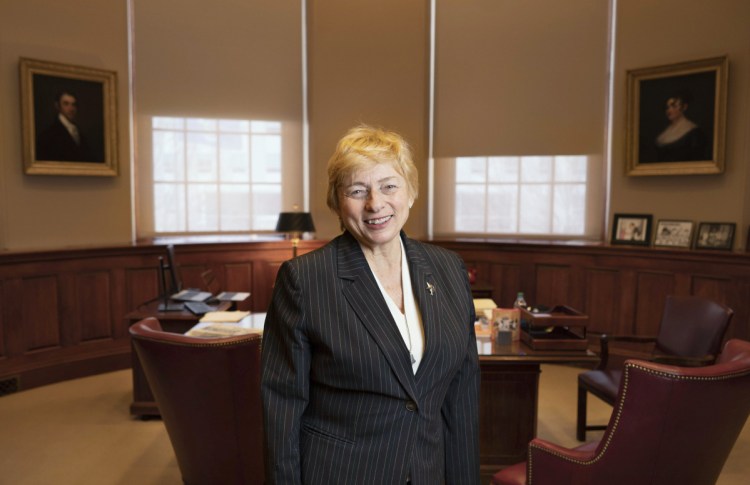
(560, 328)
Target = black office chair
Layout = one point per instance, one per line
(690, 335)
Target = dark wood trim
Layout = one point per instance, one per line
(61, 311)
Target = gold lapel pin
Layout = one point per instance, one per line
(431, 288)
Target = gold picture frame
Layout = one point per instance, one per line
(69, 119)
(676, 118)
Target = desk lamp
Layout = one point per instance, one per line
(294, 224)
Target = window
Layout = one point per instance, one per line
(541, 195)
(215, 175)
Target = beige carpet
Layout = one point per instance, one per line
(80, 432)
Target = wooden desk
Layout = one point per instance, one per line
(144, 404)
(509, 399)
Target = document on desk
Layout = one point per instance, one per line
(191, 295)
(224, 317)
(221, 330)
(233, 296)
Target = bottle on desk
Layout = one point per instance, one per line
(518, 304)
(520, 301)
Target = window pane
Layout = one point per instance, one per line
(570, 209)
(470, 208)
(471, 169)
(536, 217)
(233, 177)
(168, 123)
(169, 156)
(201, 124)
(235, 208)
(266, 206)
(169, 207)
(266, 127)
(201, 157)
(502, 216)
(203, 207)
(536, 169)
(571, 168)
(239, 126)
(266, 158)
(503, 169)
(234, 158)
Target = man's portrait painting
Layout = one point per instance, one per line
(69, 119)
(676, 118)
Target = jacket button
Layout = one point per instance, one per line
(411, 406)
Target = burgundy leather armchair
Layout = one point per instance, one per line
(671, 426)
(690, 334)
(208, 392)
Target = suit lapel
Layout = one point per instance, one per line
(361, 291)
(426, 293)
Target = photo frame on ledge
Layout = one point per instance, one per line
(676, 118)
(715, 235)
(632, 229)
(673, 234)
(69, 119)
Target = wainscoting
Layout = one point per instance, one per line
(61, 312)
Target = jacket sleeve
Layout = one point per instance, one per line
(285, 378)
(461, 410)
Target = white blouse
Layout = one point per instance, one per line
(410, 322)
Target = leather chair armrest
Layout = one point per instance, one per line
(551, 464)
(604, 340)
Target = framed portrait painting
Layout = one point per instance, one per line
(673, 234)
(632, 229)
(676, 117)
(715, 235)
(69, 119)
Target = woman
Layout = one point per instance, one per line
(682, 140)
(370, 367)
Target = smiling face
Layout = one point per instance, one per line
(373, 204)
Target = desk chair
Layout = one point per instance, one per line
(208, 393)
(671, 426)
(690, 334)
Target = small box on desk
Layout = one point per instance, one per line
(560, 328)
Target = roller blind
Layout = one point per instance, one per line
(520, 117)
(217, 95)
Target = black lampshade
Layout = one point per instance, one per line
(295, 222)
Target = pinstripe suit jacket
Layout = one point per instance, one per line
(341, 402)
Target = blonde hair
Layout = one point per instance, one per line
(364, 146)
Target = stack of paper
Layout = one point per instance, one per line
(229, 317)
(221, 330)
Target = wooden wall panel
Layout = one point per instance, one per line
(653, 289)
(602, 303)
(505, 280)
(41, 325)
(93, 303)
(553, 286)
(141, 285)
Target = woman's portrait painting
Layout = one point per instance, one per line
(675, 119)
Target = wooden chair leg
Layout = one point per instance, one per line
(581, 415)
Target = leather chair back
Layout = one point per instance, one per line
(208, 393)
(670, 426)
(692, 326)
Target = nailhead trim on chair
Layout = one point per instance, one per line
(626, 376)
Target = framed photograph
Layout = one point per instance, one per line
(632, 229)
(69, 119)
(673, 234)
(715, 235)
(676, 117)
